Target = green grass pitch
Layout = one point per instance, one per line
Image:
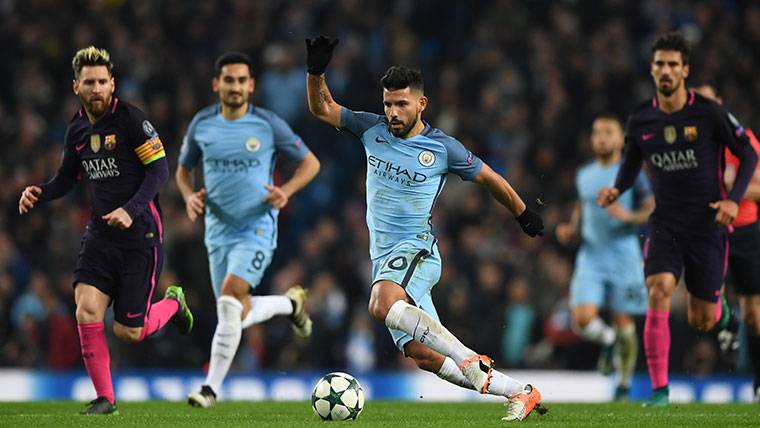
(376, 414)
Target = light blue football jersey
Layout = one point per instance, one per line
(404, 178)
(238, 160)
(600, 231)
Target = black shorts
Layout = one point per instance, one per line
(702, 258)
(744, 259)
(128, 275)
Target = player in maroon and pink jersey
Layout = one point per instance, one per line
(681, 138)
(113, 146)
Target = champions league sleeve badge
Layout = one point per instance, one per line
(148, 128)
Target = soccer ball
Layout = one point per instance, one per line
(337, 397)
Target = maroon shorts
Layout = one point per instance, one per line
(702, 258)
(128, 275)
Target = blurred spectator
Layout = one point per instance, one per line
(518, 82)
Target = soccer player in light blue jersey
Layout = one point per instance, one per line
(407, 165)
(237, 143)
(609, 263)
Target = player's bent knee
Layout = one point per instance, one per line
(701, 322)
(658, 291)
(128, 334)
(583, 318)
(88, 313)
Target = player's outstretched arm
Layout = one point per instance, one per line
(305, 172)
(529, 221)
(319, 52)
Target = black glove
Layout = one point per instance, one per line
(531, 223)
(319, 52)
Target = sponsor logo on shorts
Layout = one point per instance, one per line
(131, 315)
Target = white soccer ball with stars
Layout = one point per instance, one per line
(337, 397)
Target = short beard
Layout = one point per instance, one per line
(91, 110)
(669, 92)
(404, 131)
(234, 105)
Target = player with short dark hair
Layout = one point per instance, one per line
(237, 143)
(119, 153)
(608, 264)
(681, 137)
(407, 165)
(743, 257)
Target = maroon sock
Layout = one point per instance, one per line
(96, 358)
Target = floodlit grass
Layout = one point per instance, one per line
(376, 414)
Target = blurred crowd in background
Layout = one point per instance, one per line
(518, 82)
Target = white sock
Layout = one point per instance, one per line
(503, 385)
(450, 372)
(625, 355)
(597, 331)
(266, 307)
(424, 329)
(226, 339)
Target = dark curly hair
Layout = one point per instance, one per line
(672, 41)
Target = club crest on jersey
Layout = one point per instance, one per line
(95, 143)
(426, 158)
(670, 134)
(110, 142)
(690, 133)
(148, 128)
(252, 145)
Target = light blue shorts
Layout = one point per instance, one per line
(247, 260)
(622, 292)
(415, 269)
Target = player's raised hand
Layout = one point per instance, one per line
(118, 218)
(195, 204)
(319, 51)
(531, 223)
(606, 196)
(29, 197)
(727, 210)
(276, 197)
